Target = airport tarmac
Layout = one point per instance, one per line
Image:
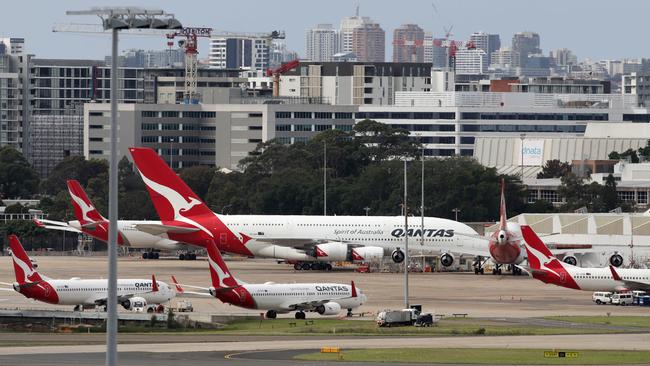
(445, 293)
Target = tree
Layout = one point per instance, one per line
(609, 195)
(17, 178)
(573, 191)
(554, 169)
(629, 153)
(198, 177)
(74, 167)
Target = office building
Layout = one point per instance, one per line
(369, 42)
(346, 30)
(13, 93)
(408, 43)
(525, 44)
(564, 57)
(321, 43)
(240, 51)
(489, 43)
(471, 62)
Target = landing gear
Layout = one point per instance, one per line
(78, 308)
(314, 266)
(150, 255)
(349, 314)
(478, 265)
(497, 270)
(516, 271)
(271, 314)
(187, 256)
(300, 315)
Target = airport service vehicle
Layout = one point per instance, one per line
(546, 268)
(91, 222)
(310, 241)
(276, 298)
(624, 298)
(424, 320)
(132, 294)
(184, 306)
(389, 318)
(601, 297)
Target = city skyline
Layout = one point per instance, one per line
(466, 17)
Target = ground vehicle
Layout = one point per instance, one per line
(624, 298)
(601, 297)
(424, 320)
(184, 306)
(390, 318)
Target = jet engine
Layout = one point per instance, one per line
(329, 308)
(16, 287)
(616, 260)
(331, 252)
(134, 302)
(366, 254)
(447, 259)
(212, 291)
(570, 259)
(398, 256)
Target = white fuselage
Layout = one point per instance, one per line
(89, 292)
(387, 232)
(601, 279)
(135, 238)
(284, 297)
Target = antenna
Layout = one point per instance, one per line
(357, 12)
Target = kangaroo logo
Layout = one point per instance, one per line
(543, 260)
(28, 272)
(85, 207)
(179, 203)
(221, 274)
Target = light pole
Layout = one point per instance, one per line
(456, 211)
(406, 241)
(114, 20)
(523, 137)
(171, 152)
(324, 178)
(366, 209)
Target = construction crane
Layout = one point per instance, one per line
(275, 73)
(190, 45)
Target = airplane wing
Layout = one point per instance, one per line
(54, 225)
(6, 289)
(310, 305)
(180, 291)
(295, 242)
(158, 229)
(629, 284)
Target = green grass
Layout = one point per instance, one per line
(624, 321)
(445, 327)
(480, 356)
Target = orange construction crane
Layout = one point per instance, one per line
(284, 68)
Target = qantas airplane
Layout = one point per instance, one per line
(548, 269)
(276, 298)
(311, 241)
(91, 222)
(131, 293)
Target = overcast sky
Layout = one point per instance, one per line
(593, 29)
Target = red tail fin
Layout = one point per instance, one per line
(502, 206)
(354, 290)
(154, 284)
(615, 275)
(221, 276)
(538, 252)
(179, 289)
(170, 195)
(23, 268)
(83, 207)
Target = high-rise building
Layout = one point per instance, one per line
(346, 30)
(240, 52)
(564, 57)
(471, 62)
(503, 57)
(13, 93)
(525, 44)
(408, 44)
(321, 43)
(486, 42)
(369, 42)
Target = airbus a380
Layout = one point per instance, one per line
(131, 293)
(275, 298)
(548, 269)
(312, 241)
(91, 222)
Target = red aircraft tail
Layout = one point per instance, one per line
(23, 269)
(84, 209)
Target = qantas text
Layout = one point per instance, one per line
(427, 232)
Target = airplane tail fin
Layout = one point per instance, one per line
(23, 269)
(538, 252)
(353, 289)
(154, 283)
(84, 209)
(179, 288)
(169, 194)
(502, 206)
(219, 272)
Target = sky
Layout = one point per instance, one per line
(593, 29)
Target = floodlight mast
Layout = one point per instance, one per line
(115, 20)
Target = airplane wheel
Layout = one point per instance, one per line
(271, 314)
(499, 272)
(193, 256)
(482, 271)
(328, 267)
(145, 255)
(156, 255)
(300, 315)
(315, 266)
(182, 256)
(305, 266)
(297, 266)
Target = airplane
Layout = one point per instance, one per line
(83, 294)
(91, 222)
(311, 241)
(276, 298)
(548, 269)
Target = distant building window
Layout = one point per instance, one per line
(96, 152)
(170, 114)
(254, 115)
(467, 140)
(466, 152)
(150, 114)
(208, 114)
(343, 115)
(302, 128)
(96, 127)
(343, 127)
(323, 127)
(95, 114)
(207, 141)
(171, 126)
(255, 128)
(96, 139)
(325, 115)
(302, 114)
(149, 126)
(283, 127)
(642, 197)
(254, 141)
(549, 196)
(284, 140)
(150, 139)
(626, 196)
(208, 153)
(208, 128)
(282, 114)
(300, 139)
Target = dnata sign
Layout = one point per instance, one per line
(532, 153)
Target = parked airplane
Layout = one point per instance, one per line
(311, 241)
(276, 298)
(91, 222)
(548, 269)
(132, 294)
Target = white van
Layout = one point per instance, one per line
(600, 297)
(625, 298)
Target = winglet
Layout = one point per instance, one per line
(502, 206)
(354, 290)
(179, 289)
(614, 273)
(38, 223)
(154, 284)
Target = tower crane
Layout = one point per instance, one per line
(276, 72)
(190, 44)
